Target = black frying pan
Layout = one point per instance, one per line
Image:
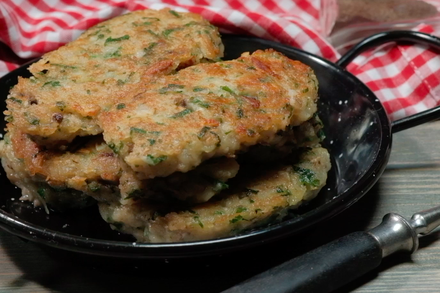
(359, 136)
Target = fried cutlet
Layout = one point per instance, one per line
(255, 201)
(92, 169)
(70, 86)
(210, 110)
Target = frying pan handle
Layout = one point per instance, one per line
(397, 36)
(387, 37)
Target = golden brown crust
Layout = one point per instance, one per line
(209, 110)
(71, 85)
(93, 161)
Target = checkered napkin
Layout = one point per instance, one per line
(405, 78)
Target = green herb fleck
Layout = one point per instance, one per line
(52, 83)
(283, 190)
(153, 161)
(41, 192)
(167, 32)
(237, 219)
(240, 209)
(64, 66)
(198, 89)
(94, 186)
(181, 113)
(225, 65)
(115, 148)
(15, 100)
(219, 186)
(152, 141)
(307, 176)
(34, 121)
(120, 106)
(197, 219)
(153, 33)
(111, 40)
(191, 23)
(321, 134)
(202, 132)
(151, 18)
(150, 48)
(227, 89)
(137, 130)
(174, 13)
(201, 103)
(116, 53)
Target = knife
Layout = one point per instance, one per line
(337, 263)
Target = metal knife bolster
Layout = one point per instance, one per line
(396, 233)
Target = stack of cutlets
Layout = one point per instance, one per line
(141, 116)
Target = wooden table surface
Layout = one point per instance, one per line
(410, 183)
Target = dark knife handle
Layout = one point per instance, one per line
(321, 270)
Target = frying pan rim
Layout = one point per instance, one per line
(123, 249)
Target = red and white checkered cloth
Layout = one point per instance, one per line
(405, 78)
